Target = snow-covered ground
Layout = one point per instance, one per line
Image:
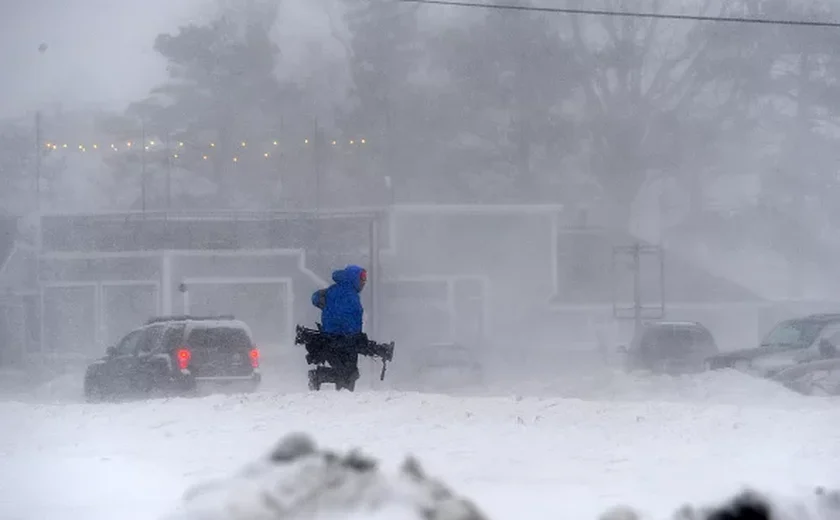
(560, 449)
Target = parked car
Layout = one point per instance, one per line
(176, 355)
(801, 353)
(670, 347)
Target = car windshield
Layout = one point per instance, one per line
(793, 334)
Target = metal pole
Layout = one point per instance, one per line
(186, 301)
(389, 185)
(374, 276)
(39, 236)
(662, 280)
(143, 164)
(166, 283)
(614, 284)
(637, 283)
(38, 151)
(168, 174)
(39, 233)
(316, 165)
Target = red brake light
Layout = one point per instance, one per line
(183, 355)
(255, 357)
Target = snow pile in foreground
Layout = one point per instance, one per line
(297, 480)
(749, 505)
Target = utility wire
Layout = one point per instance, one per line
(595, 12)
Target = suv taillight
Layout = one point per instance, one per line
(255, 357)
(183, 356)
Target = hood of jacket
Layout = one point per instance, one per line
(349, 276)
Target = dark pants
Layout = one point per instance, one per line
(342, 356)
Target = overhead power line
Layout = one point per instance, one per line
(627, 14)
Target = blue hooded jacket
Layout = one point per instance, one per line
(340, 304)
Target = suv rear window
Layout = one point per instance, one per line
(219, 337)
(173, 337)
(673, 338)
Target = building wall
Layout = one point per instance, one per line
(90, 300)
(157, 231)
(18, 294)
(491, 270)
(268, 289)
(455, 273)
(510, 251)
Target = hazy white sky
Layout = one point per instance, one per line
(100, 51)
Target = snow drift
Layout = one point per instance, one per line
(750, 505)
(297, 480)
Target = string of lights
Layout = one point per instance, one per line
(626, 14)
(177, 149)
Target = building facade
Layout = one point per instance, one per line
(485, 276)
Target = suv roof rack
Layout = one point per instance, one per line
(187, 317)
(824, 316)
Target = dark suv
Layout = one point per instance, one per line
(671, 347)
(176, 355)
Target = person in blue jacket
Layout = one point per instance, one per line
(341, 318)
(340, 303)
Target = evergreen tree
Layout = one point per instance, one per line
(223, 114)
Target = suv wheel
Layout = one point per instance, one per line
(314, 383)
(148, 384)
(93, 392)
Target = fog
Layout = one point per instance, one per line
(531, 192)
(99, 55)
(505, 157)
